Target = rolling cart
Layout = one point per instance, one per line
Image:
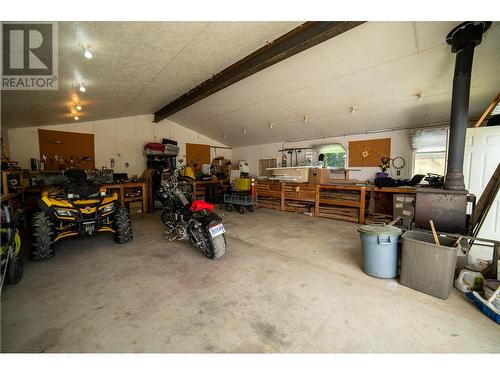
(240, 199)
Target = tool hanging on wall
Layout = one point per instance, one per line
(398, 162)
(291, 151)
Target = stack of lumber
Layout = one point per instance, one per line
(342, 195)
(340, 213)
(269, 202)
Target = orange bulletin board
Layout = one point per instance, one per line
(376, 148)
(66, 149)
(196, 155)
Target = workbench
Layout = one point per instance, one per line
(336, 201)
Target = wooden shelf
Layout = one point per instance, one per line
(339, 202)
(121, 193)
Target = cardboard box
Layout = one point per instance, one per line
(319, 176)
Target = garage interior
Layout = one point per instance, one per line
(254, 187)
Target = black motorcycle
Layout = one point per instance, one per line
(186, 219)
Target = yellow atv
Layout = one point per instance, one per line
(76, 206)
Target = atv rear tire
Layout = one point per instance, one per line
(123, 226)
(42, 239)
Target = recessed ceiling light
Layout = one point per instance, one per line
(78, 107)
(82, 88)
(87, 53)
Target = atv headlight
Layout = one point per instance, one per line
(63, 212)
(108, 208)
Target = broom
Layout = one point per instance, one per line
(486, 306)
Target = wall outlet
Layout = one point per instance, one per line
(398, 173)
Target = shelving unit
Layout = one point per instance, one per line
(120, 189)
(341, 202)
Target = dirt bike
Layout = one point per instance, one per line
(188, 219)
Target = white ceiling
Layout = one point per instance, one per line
(377, 68)
(137, 68)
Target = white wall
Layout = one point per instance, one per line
(400, 146)
(120, 138)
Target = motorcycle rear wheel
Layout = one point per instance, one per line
(212, 248)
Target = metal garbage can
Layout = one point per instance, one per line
(379, 246)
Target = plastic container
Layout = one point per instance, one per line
(379, 246)
(427, 267)
(489, 288)
(243, 184)
(467, 279)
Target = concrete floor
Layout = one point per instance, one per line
(289, 283)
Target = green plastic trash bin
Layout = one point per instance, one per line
(379, 246)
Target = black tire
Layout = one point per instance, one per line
(15, 270)
(241, 209)
(212, 248)
(229, 207)
(219, 245)
(123, 226)
(42, 237)
(250, 208)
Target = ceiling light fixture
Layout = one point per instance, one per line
(271, 125)
(82, 88)
(76, 118)
(78, 107)
(87, 53)
(244, 131)
(306, 118)
(352, 109)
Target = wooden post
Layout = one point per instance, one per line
(362, 199)
(316, 200)
(282, 197)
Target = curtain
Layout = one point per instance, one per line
(429, 140)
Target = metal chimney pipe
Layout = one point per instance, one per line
(463, 39)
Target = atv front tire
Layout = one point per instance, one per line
(42, 239)
(123, 226)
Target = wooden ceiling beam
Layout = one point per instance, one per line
(297, 40)
(488, 110)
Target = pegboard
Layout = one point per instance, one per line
(376, 149)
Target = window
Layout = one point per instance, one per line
(335, 155)
(429, 150)
(267, 163)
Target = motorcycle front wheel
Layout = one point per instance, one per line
(212, 248)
